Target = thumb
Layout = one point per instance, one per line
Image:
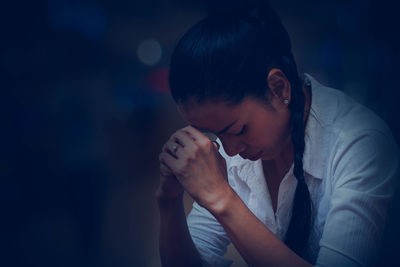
(216, 145)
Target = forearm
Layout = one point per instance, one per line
(176, 245)
(254, 241)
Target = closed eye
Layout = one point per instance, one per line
(242, 131)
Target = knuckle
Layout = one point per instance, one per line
(192, 157)
(177, 132)
(196, 150)
(205, 142)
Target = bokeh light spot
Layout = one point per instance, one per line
(149, 52)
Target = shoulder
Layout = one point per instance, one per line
(360, 136)
(363, 148)
(360, 142)
(345, 119)
(341, 112)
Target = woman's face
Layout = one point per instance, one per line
(251, 129)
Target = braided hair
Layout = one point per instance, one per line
(228, 54)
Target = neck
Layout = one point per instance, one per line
(281, 164)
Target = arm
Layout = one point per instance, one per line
(176, 245)
(208, 236)
(177, 248)
(202, 171)
(363, 184)
(254, 241)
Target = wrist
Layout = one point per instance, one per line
(223, 204)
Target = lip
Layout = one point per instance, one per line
(257, 156)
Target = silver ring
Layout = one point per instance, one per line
(175, 148)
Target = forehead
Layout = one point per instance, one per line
(214, 115)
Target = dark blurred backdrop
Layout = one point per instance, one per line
(85, 111)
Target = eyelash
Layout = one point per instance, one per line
(242, 131)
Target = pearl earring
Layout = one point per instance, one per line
(285, 101)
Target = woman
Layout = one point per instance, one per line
(300, 174)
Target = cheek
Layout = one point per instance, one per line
(270, 137)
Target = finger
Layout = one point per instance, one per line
(185, 139)
(180, 152)
(174, 149)
(163, 164)
(167, 149)
(170, 161)
(172, 141)
(196, 134)
(167, 145)
(179, 142)
(165, 170)
(162, 159)
(216, 144)
(171, 148)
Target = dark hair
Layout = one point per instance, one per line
(228, 55)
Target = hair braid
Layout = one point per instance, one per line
(300, 223)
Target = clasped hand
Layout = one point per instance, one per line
(192, 159)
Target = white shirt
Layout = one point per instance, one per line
(350, 163)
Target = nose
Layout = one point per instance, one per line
(231, 146)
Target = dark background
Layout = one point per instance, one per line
(85, 111)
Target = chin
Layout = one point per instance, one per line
(268, 156)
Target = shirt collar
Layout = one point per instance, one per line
(316, 131)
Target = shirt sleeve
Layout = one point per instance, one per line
(364, 180)
(208, 236)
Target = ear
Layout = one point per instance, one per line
(280, 86)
